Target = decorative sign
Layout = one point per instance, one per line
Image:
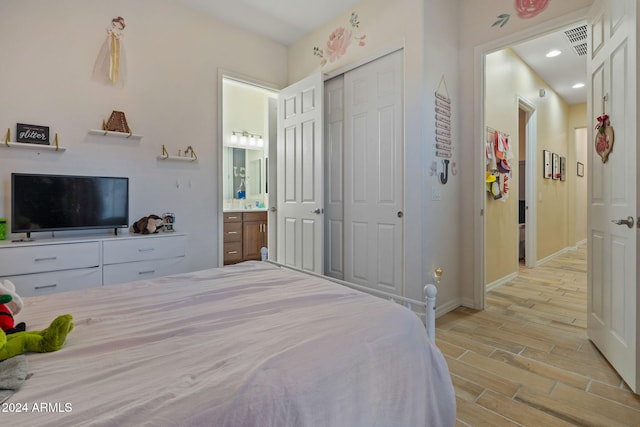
(33, 134)
(443, 146)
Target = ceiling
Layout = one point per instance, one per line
(286, 21)
(563, 71)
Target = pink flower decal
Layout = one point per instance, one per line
(338, 42)
(530, 8)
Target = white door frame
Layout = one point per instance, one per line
(480, 52)
(530, 191)
(223, 73)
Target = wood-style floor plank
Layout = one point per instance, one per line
(526, 359)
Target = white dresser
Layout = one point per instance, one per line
(57, 265)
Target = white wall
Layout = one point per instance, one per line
(170, 97)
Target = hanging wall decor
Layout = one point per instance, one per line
(110, 64)
(555, 166)
(604, 137)
(546, 164)
(443, 145)
(498, 154)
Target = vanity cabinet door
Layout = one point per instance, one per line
(254, 234)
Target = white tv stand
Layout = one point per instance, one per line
(46, 266)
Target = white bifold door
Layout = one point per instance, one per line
(364, 148)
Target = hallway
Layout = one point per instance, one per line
(526, 359)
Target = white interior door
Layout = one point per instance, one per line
(613, 188)
(300, 179)
(374, 174)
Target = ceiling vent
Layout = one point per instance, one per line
(578, 39)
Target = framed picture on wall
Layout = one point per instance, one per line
(555, 166)
(580, 169)
(546, 164)
(563, 168)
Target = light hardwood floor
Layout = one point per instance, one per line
(526, 359)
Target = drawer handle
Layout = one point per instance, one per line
(232, 217)
(45, 287)
(232, 252)
(146, 250)
(146, 272)
(232, 232)
(50, 258)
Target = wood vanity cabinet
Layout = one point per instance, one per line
(245, 233)
(254, 234)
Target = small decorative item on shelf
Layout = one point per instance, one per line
(168, 218)
(117, 123)
(37, 146)
(32, 134)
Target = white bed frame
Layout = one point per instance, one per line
(426, 309)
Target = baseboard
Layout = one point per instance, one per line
(449, 306)
(555, 255)
(491, 286)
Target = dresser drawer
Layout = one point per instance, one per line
(254, 216)
(142, 249)
(233, 232)
(232, 217)
(132, 271)
(28, 285)
(232, 252)
(37, 259)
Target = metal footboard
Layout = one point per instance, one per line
(425, 309)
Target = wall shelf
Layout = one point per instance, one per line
(189, 155)
(177, 158)
(112, 134)
(37, 147)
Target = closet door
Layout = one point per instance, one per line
(334, 177)
(374, 174)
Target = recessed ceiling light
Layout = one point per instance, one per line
(553, 53)
(578, 85)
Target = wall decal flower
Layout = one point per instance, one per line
(525, 9)
(339, 41)
(530, 8)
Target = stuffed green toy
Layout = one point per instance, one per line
(46, 340)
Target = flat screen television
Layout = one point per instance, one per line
(44, 202)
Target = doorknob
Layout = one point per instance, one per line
(317, 211)
(273, 209)
(628, 222)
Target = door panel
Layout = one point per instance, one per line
(613, 188)
(334, 147)
(373, 174)
(300, 180)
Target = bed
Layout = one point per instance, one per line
(245, 345)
